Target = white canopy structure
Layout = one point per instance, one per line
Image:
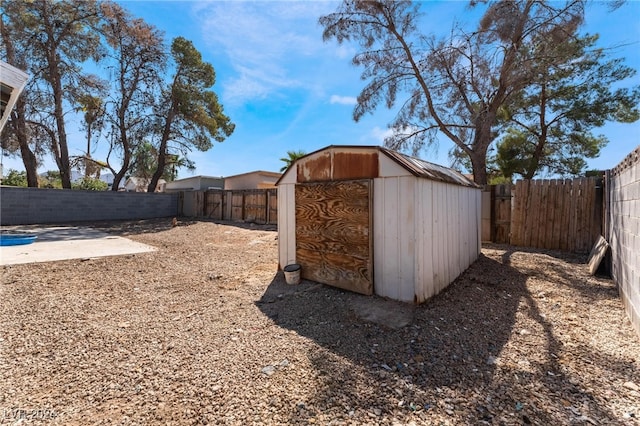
(12, 82)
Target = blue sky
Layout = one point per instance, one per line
(286, 89)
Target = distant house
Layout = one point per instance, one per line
(195, 183)
(252, 180)
(12, 82)
(138, 184)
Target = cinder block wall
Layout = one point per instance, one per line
(624, 232)
(23, 206)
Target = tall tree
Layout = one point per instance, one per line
(551, 121)
(93, 110)
(454, 86)
(15, 136)
(137, 58)
(58, 38)
(190, 114)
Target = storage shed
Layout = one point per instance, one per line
(372, 220)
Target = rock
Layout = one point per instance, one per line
(632, 386)
(492, 360)
(268, 370)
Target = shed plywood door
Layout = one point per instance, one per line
(333, 234)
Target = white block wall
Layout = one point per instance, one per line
(624, 232)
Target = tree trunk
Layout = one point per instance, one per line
(28, 157)
(479, 168)
(63, 160)
(18, 118)
(55, 79)
(126, 160)
(160, 169)
(162, 149)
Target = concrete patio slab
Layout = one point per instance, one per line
(67, 242)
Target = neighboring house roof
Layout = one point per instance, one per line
(198, 182)
(259, 172)
(258, 179)
(413, 165)
(197, 177)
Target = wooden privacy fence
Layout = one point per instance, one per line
(557, 214)
(247, 205)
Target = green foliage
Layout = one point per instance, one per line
(455, 86)
(145, 163)
(15, 178)
(138, 52)
(139, 100)
(90, 184)
(54, 39)
(190, 115)
(200, 115)
(51, 179)
(291, 157)
(549, 124)
(499, 180)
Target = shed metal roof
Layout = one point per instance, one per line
(413, 165)
(428, 170)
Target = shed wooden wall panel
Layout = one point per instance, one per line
(381, 274)
(333, 241)
(451, 235)
(286, 225)
(463, 220)
(456, 246)
(385, 225)
(440, 236)
(425, 243)
(475, 235)
(394, 249)
(407, 237)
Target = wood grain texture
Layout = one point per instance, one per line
(333, 238)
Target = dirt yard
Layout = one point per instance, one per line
(204, 331)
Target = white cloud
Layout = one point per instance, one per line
(343, 100)
(380, 134)
(266, 44)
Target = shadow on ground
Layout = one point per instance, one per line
(441, 356)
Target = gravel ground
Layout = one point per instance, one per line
(204, 331)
